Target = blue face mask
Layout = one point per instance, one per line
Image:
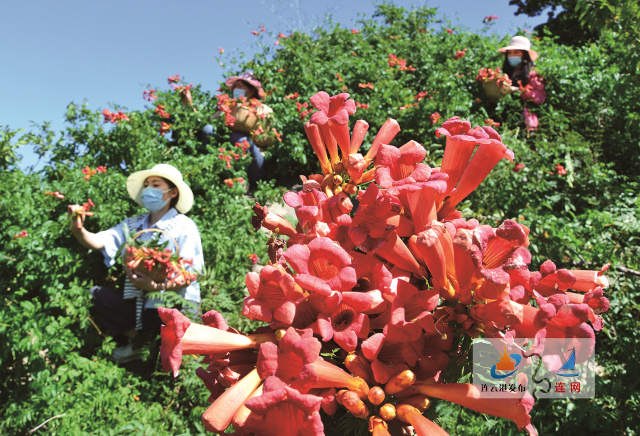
(514, 61)
(152, 198)
(238, 93)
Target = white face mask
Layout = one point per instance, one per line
(237, 92)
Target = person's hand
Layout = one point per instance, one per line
(143, 282)
(77, 220)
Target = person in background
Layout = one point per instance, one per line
(246, 85)
(125, 312)
(518, 65)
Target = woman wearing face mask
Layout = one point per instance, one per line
(246, 86)
(518, 65)
(125, 312)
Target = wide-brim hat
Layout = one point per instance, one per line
(249, 79)
(135, 185)
(520, 43)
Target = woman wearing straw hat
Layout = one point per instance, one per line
(248, 86)
(162, 191)
(518, 59)
(518, 65)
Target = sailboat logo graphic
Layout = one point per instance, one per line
(568, 368)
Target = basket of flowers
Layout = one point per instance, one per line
(240, 114)
(156, 260)
(496, 85)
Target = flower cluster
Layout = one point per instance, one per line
(174, 79)
(231, 182)
(161, 112)
(158, 262)
(381, 291)
(248, 116)
(164, 128)
(56, 194)
(84, 210)
(460, 54)
(435, 117)
(489, 18)
(89, 172)
(486, 75)
(150, 95)
(396, 61)
(112, 117)
(22, 234)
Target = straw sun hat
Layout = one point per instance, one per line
(135, 185)
(249, 79)
(520, 43)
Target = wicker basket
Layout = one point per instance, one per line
(493, 92)
(246, 119)
(159, 272)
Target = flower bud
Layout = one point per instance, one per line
(376, 395)
(350, 188)
(400, 382)
(387, 411)
(420, 402)
(355, 405)
(377, 423)
(360, 367)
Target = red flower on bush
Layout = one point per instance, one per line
(112, 117)
(174, 79)
(365, 85)
(489, 18)
(420, 95)
(560, 170)
(292, 96)
(164, 128)
(396, 61)
(253, 258)
(22, 234)
(460, 53)
(88, 172)
(220, 50)
(518, 167)
(489, 122)
(435, 117)
(150, 95)
(56, 194)
(255, 32)
(161, 112)
(355, 31)
(362, 105)
(450, 31)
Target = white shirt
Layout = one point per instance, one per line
(180, 227)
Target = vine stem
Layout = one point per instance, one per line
(35, 429)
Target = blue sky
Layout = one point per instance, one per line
(106, 53)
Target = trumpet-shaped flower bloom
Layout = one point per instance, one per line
(397, 165)
(373, 219)
(273, 296)
(284, 411)
(344, 326)
(290, 360)
(321, 266)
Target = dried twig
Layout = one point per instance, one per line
(33, 430)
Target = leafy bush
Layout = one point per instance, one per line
(56, 364)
